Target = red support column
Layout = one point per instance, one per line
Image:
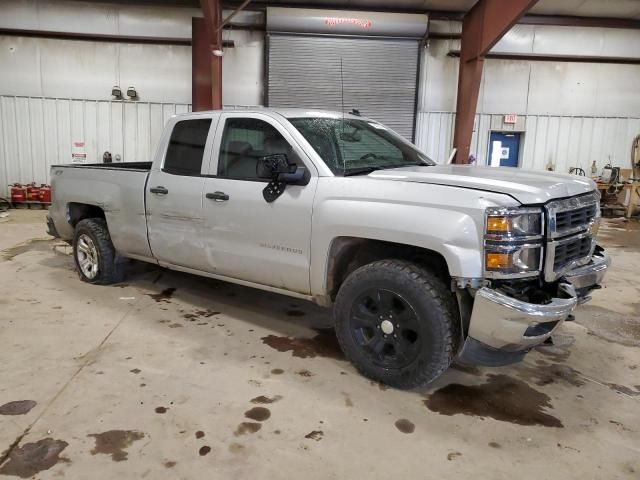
(200, 67)
(482, 27)
(208, 34)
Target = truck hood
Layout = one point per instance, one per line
(526, 186)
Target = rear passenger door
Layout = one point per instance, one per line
(174, 193)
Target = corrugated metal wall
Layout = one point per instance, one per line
(37, 132)
(560, 141)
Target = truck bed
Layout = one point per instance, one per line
(117, 189)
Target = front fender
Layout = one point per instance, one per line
(447, 220)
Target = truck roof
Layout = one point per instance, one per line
(285, 112)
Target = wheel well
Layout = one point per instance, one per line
(349, 253)
(80, 211)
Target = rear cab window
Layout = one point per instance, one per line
(186, 147)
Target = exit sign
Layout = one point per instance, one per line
(511, 118)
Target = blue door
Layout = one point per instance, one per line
(504, 149)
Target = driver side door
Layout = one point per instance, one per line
(245, 237)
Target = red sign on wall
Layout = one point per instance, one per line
(364, 23)
(510, 118)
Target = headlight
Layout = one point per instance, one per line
(513, 242)
(514, 222)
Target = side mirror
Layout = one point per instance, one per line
(281, 173)
(272, 166)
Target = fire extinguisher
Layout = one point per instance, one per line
(18, 193)
(33, 193)
(45, 193)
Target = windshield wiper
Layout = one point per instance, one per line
(361, 170)
(373, 168)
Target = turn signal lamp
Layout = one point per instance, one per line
(498, 261)
(498, 224)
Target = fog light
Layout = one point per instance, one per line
(498, 261)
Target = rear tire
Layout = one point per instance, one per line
(94, 255)
(397, 323)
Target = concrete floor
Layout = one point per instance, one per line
(212, 380)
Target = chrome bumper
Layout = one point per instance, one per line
(590, 274)
(502, 329)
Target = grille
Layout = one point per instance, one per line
(575, 218)
(569, 238)
(571, 250)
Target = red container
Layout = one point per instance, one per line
(33, 193)
(45, 193)
(18, 193)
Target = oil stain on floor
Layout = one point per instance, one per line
(34, 245)
(115, 442)
(547, 373)
(247, 427)
(622, 233)
(163, 296)
(259, 414)
(315, 435)
(612, 326)
(31, 458)
(405, 426)
(324, 344)
(19, 407)
(262, 399)
(502, 398)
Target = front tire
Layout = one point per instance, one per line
(397, 323)
(93, 252)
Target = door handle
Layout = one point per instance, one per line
(218, 196)
(159, 190)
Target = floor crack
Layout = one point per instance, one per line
(89, 358)
(13, 446)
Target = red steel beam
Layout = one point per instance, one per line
(201, 85)
(234, 13)
(482, 27)
(212, 41)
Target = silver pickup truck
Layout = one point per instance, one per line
(422, 263)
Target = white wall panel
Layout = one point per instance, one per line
(159, 72)
(540, 88)
(37, 132)
(438, 78)
(561, 142)
(20, 61)
(99, 18)
(74, 69)
(103, 18)
(504, 85)
(517, 40)
(41, 67)
(243, 69)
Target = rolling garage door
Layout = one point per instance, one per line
(375, 71)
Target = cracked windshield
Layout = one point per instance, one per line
(358, 147)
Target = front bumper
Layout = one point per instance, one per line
(503, 329)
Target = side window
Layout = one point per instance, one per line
(186, 147)
(244, 142)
